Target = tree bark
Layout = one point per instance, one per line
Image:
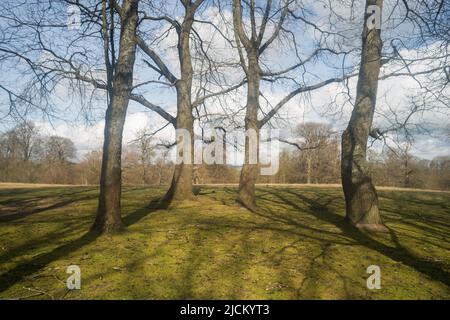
(254, 47)
(249, 172)
(360, 194)
(108, 217)
(181, 185)
(308, 167)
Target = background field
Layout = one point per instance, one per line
(296, 246)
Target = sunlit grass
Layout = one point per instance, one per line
(296, 246)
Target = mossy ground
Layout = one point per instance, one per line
(296, 246)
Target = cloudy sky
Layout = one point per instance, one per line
(324, 105)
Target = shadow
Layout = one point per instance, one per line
(12, 216)
(21, 208)
(20, 201)
(159, 204)
(196, 190)
(398, 254)
(442, 204)
(23, 270)
(138, 215)
(165, 202)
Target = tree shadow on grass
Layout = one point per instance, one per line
(15, 196)
(22, 208)
(399, 254)
(15, 215)
(21, 271)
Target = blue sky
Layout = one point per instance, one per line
(87, 135)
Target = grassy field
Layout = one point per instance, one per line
(296, 246)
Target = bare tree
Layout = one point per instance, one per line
(19, 146)
(360, 194)
(316, 136)
(144, 144)
(52, 60)
(119, 86)
(25, 136)
(252, 42)
(79, 67)
(90, 167)
(56, 163)
(59, 149)
(181, 185)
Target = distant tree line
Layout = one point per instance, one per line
(28, 156)
(312, 156)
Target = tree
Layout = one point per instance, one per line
(143, 144)
(59, 149)
(19, 146)
(56, 161)
(315, 157)
(71, 62)
(90, 167)
(251, 45)
(119, 86)
(52, 59)
(440, 168)
(316, 136)
(23, 140)
(181, 186)
(360, 195)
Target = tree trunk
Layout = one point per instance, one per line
(144, 171)
(308, 167)
(249, 172)
(181, 185)
(360, 194)
(108, 215)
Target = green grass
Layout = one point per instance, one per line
(297, 246)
